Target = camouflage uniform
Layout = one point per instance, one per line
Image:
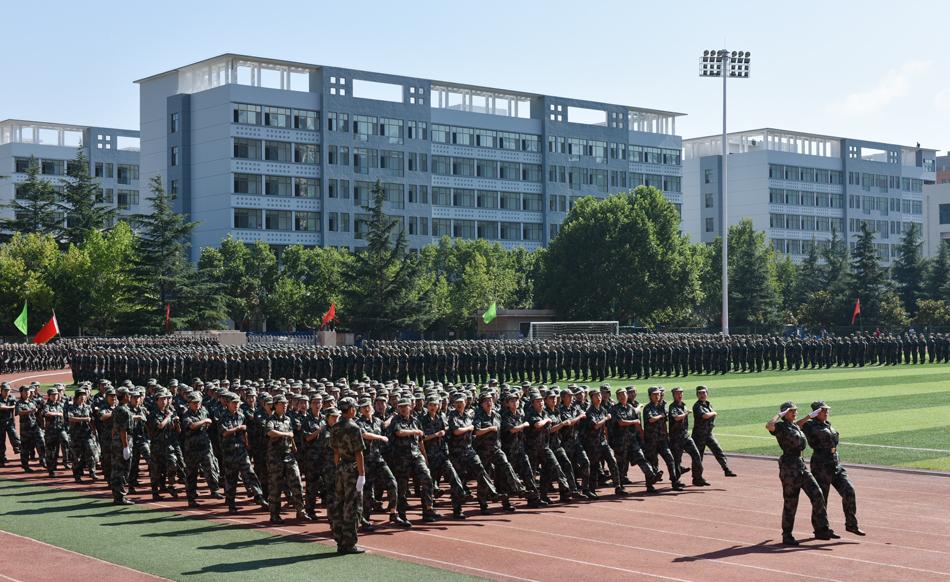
(488, 447)
(282, 466)
(197, 449)
(827, 469)
(82, 441)
(656, 442)
(235, 459)
(437, 453)
(703, 434)
(680, 442)
(795, 478)
(537, 443)
(55, 434)
(595, 444)
(376, 469)
(513, 445)
(408, 459)
(465, 459)
(313, 455)
(121, 420)
(8, 427)
(625, 442)
(346, 440)
(166, 459)
(31, 437)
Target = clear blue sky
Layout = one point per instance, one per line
(871, 69)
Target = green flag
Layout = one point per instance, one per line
(20, 322)
(489, 315)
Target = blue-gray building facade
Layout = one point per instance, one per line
(288, 152)
(798, 187)
(113, 156)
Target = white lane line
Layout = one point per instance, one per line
(749, 436)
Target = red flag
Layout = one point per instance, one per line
(330, 316)
(857, 310)
(168, 314)
(49, 330)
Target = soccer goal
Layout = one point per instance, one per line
(549, 329)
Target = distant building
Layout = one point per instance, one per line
(798, 186)
(113, 157)
(936, 225)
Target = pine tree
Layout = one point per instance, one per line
(810, 275)
(938, 275)
(907, 272)
(868, 279)
(385, 281)
(34, 207)
(82, 203)
(164, 274)
(752, 291)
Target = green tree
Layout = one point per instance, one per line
(785, 274)
(908, 270)
(621, 258)
(753, 296)
(384, 280)
(893, 313)
(82, 203)
(937, 275)
(308, 284)
(931, 313)
(34, 207)
(819, 310)
(837, 266)
(809, 278)
(26, 263)
(162, 271)
(868, 279)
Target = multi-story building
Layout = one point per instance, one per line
(113, 156)
(936, 225)
(798, 186)
(288, 152)
(943, 169)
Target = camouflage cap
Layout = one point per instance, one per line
(485, 396)
(819, 404)
(110, 391)
(281, 399)
(266, 398)
(346, 404)
(404, 402)
(232, 397)
(163, 394)
(605, 387)
(654, 390)
(332, 411)
(122, 391)
(194, 397)
(786, 406)
(701, 389)
(677, 389)
(364, 402)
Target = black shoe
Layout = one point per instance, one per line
(621, 491)
(368, 527)
(28, 469)
(77, 478)
(855, 530)
(304, 516)
(399, 520)
(232, 509)
(575, 494)
(351, 550)
(684, 470)
(484, 510)
(729, 473)
(122, 501)
(457, 514)
(701, 483)
(833, 535)
(677, 486)
(547, 501)
(193, 503)
(651, 489)
(534, 503)
(509, 507)
(789, 541)
(156, 497)
(263, 503)
(131, 489)
(591, 494)
(276, 519)
(428, 517)
(52, 474)
(171, 492)
(823, 535)
(498, 497)
(217, 495)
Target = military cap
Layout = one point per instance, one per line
(281, 398)
(122, 391)
(364, 402)
(404, 402)
(164, 394)
(677, 389)
(194, 397)
(459, 398)
(485, 396)
(4, 385)
(535, 396)
(81, 390)
(819, 404)
(605, 387)
(382, 397)
(232, 397)
(701, 389)
(332, 411)
(433, 400)
(52, 390)
(654, 390)
(786, 406)
(267, 398)
(110, 391)
(250, 392)
(346, 404)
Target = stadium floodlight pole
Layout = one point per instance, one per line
(725, 64)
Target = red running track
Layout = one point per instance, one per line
(727, 532)
(45, 377)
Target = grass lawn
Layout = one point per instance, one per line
(184, 548)
(906, 407)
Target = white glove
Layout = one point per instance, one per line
(360, 481)
(814, 413)
(126, 453)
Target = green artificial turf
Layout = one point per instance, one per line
(185, 548)
(896, 406)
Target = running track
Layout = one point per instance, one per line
(727, 532)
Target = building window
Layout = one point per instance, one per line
(707, 176)
(509, 170)
(174, 189)
(598, 178)
(709, 200)
(127, 173)
(338, 122)
(532, 173)
(487, 230)
(510, 231)
(363, 127)
(416, 130)
(441, 227)
(276, 151)
(363, 160)
(463, 197)
(710, 223)
(55, 168)
(306, 153)
(532, 231)
(333, 221)
(174, 157)
(532, 143)
(531, 202)
(307, 221)
(277, 116)
(463, 167)
(277, 185)
(424, 226)
(395, 195)
(306, 120)
(333, 189)
(598, 151)
(247, 218)
(306, 187)
(174, 123)
(441, 196)
(392, 161)
(249, 114)
(391, 129)
(248, 149)
(278, 219)
(510, 201)
(463, 229)
(125, 199)
(344, 222)
(486, 168)
(487, 199)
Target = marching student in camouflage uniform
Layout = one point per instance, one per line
(680, 441)
(625, 441)
(281, 464)
(376, 471)
(332, 415)
(7, 423)
(538, 446)
(704, 421)
(166, 458)
(82, 435)
(104, 431)
(409, 458)
(346, 440)
(234, 456)
(141, 448)
(825, 465)
(796, 477)
(656, 441)
(315, 433)
(594, 437)
(464, 457)
(434, 425)
(487, 445)
(55, 434)
(571, 414)
(31, 437)
(196, 443)
(121, 447)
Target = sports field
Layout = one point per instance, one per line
(892, 415)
